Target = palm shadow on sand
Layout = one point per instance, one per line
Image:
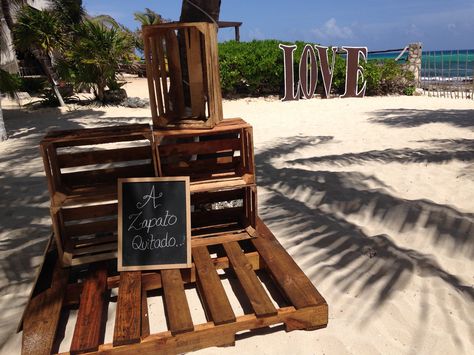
(415, 118)
(312, 208)
(24, 198)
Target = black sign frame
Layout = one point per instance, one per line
(153, 181)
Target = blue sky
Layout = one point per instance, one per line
(381, 24)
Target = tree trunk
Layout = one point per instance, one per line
(3, 131)
(7, 14)
(192, 13)
(49, 74)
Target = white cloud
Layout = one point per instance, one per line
(331, 30)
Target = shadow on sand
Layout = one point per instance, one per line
(24, 203)
(313, 207)
(415, 118)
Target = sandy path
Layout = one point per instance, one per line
(374, 198)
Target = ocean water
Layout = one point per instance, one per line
(439, 64)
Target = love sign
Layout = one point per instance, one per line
(154, 223)
(308, 71)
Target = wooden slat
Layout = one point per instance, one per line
(72, 135)
(89, 325)
(164, 80)
(42, 315)
(103, 176)
(259, 299)
(95, 211)
(100, 248)
(212, 291)
(208, 218)
(174, 68)
(105, 156)
(76, 230)
(93, 258)
(206, 197)
(218, 239)
(207, 335)
(206, 167)
(156, 75)
(176, 304)
(195, 71)
(226, 126)
(152, 280)
(128, 314)
(206, 147)
(150, 75)
(145, 331)
(214, 93)
(286, 273)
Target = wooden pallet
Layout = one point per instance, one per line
(183, 74)
(249, 257)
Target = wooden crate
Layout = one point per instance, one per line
(222, 155)
(223, 210)
(183, 74)
(293, 300)
(82, 167)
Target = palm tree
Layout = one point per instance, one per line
(95, 57)
(41, 33)
(149, 17)
(9, 84)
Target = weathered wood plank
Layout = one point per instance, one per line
(212, 291)
(150, 75)
(94, 211)
(89, 325)
(164, 80)
(71, 135)
(206, 147)
(42, 315)
(75, 230)
(209, 218)
(286, 273)
(207, 335)
(195, 71)
(155, 64)
(176, 79)
(176, 305)
(228, 125)
(201, 168)
(206, 197)
(218, 239)
(105, 156)
(259, 299)
(128, 314)
(86, 178)
(145, 331)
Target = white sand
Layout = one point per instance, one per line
(373, 197)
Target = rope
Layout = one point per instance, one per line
(204, 12)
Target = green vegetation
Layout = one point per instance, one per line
(94, 59)
(9, 83)
(40, 32)
(74, 49)
(256, 68)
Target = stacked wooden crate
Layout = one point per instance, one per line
(229, 241)
(82, 167)
(183, 74)
(220, 164)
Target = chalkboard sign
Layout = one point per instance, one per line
(154, 224)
